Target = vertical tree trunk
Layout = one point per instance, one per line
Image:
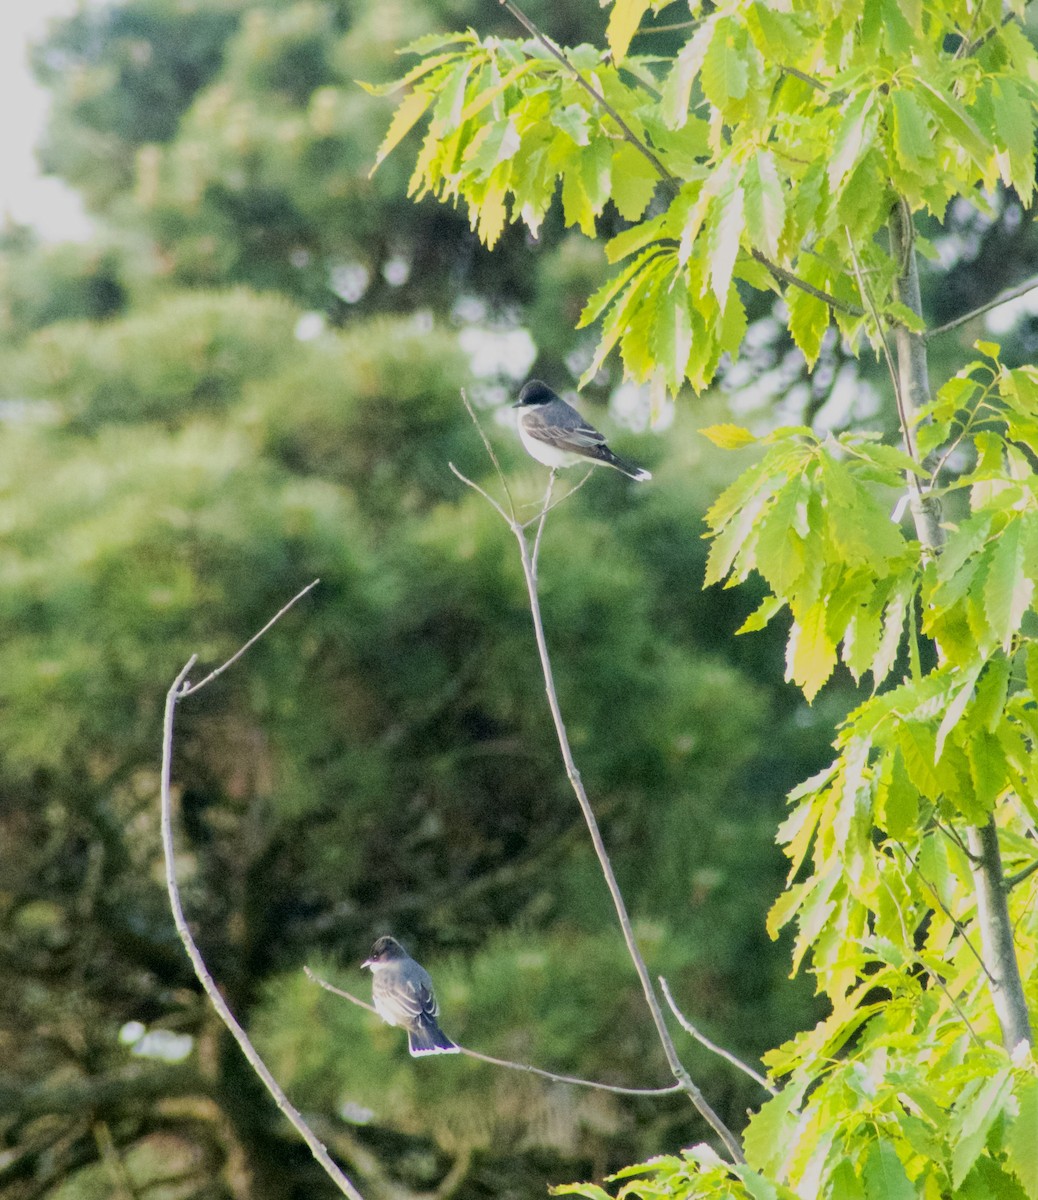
(996, 930)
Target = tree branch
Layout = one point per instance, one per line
(177, 691)
(503, 1062)
(1002, 298)
(713, 1047)
(1015, 880)
(996, 933)
(671, 181)
(680, 1074)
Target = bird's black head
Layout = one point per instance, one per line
(534, 392)
(386, 949)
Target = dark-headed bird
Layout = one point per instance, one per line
(402, 993)
(555, 434)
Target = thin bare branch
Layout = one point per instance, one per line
(490, 452)
(713, 1047)
(175, 693)
(652, 1000)
(542, 519)
(513, 1066)
(485, 494)
(190, 689)
(1014, 293)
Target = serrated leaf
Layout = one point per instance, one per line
(808, 321)
(977, 1118)
(917, 745)
(409, 113)
(724, 74)
(954, 120)
(765, 203)
(673, 331)
(810, 652)
(722, 239)
(728, 437)
(884, 1174)
(953, 713)
(1021, 1141)
(678, 86)
(623, 25)
(634, 181)
(573, 120)
(1007, 590)
(601, 299)
(761, 615)
(852, 139)
(782, 544)
(1014, 123)
(492, 145)
(766, 1138)
(913, 141)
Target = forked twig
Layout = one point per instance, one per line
(503, 1062)
(713, 1047)
(177, 692)
(590, 820)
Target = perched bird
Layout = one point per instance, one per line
(555, 434)
(403, 995)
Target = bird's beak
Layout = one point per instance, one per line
(365, 963)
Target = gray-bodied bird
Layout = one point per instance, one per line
(555, 434)
(403, 995)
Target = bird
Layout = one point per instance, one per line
(402, 992)
(555, 434)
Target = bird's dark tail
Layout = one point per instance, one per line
(628, 469)
(428, 1038)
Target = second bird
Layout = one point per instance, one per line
(555, 434)
(402, 993)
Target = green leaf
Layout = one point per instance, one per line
(493, 145)
(725, 76)
(1021, 1143)
(808, 321)
(722, 238)
(1007, 590)
(573, 120)
(765, 203)
(728, 437)
(634, 181)
(852, 138)
(673, 330)
(783, 533)
(409, 113)
(601, 299)
(811, 651)
(767, 1136)
(955, 709)
(1014, 123)
(953, 118)
(884, 1174)
(623, 25)
(678, 87)
(977, 1115)
(913, 140)
(761, 615)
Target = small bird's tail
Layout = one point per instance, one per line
(428, 1038)
(628, 469)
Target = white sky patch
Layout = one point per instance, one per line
(1002, 320)
(508, 352)
(26, 196)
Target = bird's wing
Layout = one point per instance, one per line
(417, 999)
(570, 433)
